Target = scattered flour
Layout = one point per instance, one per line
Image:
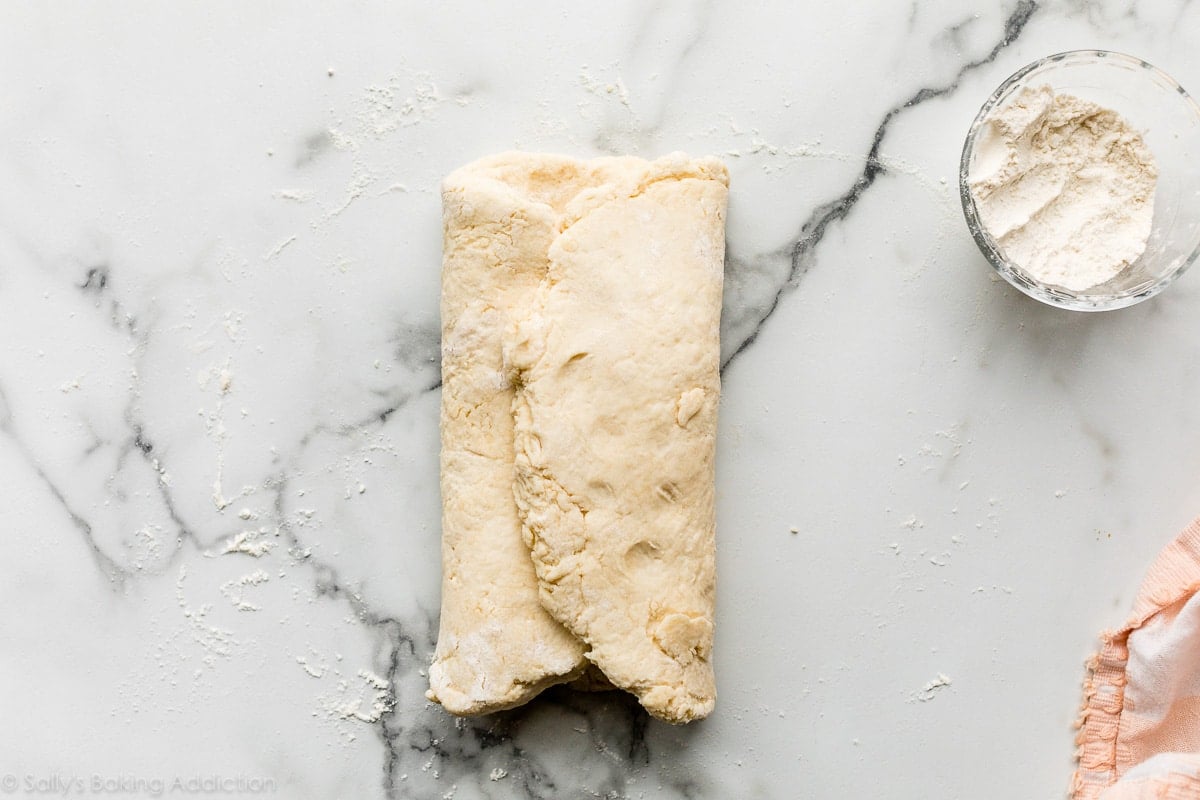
(234, 590)
(215, 641)
(314, 670)
(401, 102)
(214, 422)
(250, 542)
(354, 703)
(296, 195)
(600, 88)
(930, 689)
(278, 248)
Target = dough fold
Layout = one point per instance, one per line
(616, 408)
(497, 646)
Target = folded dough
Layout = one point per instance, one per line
(497, 647)
(603, 278)
(616, 408)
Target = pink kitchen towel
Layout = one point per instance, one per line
(1139, 730)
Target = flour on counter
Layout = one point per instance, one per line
(314, 670)
(216, 641)
(296, 195)
(278, 248)
(600, 88)
(214, 422)
(1065, 187)
(147, 553)
(403, 101)
(350, 703)
(249, 542)
(930, 690)
(234, 589)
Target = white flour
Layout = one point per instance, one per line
(1065, 187)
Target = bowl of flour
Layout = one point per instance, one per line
(1080, 180)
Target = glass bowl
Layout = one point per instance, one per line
(1169, 121)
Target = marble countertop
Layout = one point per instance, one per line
(219, 255)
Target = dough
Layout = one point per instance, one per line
(585, 496)
(497, 646)
(616, 408)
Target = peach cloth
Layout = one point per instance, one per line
(1139, 732)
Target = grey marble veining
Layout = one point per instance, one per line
(800, 254)
(219, 249)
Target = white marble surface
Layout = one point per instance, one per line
(219, 252)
